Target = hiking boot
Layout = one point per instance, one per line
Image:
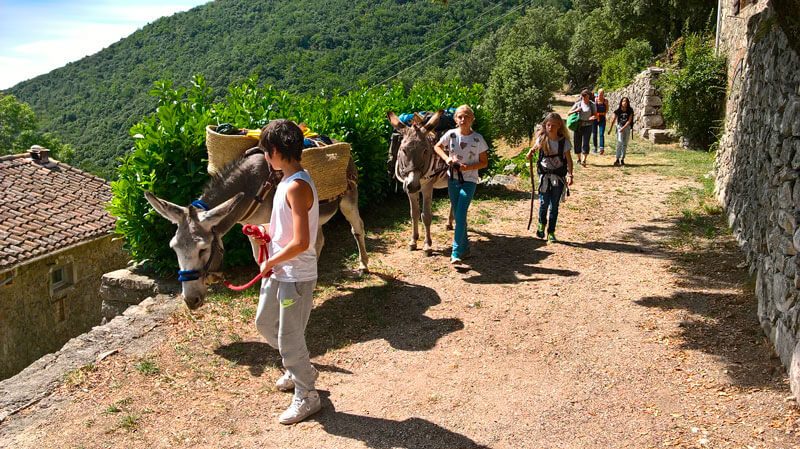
(622, 162)
(540, 231)
(286, 383)
(455, 260)
(602, 151)
(616, 163)
(551, 237)
(304, 404)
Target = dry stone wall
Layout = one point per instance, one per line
(645, 101)
(757, 168)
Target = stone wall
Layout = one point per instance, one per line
(645, 101)
(757, 167)
(36, 318)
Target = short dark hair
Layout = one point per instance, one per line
(585, 92)
(283, 136)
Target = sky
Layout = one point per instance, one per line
(37, 36)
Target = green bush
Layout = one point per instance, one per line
(694, 92)
(169, 156)
(520, 90)
(624, 64)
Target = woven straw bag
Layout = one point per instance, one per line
(327, 166)
(223, 148)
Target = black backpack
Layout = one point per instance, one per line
(560, 171)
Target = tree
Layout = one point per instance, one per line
(621, 67)
(520, 89)
(19, 130)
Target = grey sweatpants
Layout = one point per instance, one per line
(283, 311)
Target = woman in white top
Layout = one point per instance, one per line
(465, 152)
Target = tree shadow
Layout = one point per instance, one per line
(509, 259)
(716, 289)
(393, 311)
(379, 433)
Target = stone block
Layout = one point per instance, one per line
(661, 136)
(653, 121)
(123, 288)
(652, 100)
(794, 373)
(790, 124)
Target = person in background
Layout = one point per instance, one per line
(623, 117)
(588, 114)
(465, 152)
(599, 127)
(554, 166)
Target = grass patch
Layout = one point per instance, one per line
(147, 367)
(79, 376)
(129, 422)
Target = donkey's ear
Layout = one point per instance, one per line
(433, 121)
(396, 123)
(170, 211)
(211, 218)
(417, 120)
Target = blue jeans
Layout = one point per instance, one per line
(623, 137)
(550, 200)
(460, 197)
(582, 136)
(599, 127)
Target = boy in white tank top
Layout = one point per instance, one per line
(285, 300)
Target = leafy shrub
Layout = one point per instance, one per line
(624, 64)
(520, 89)
(169, 156)
(694, 93)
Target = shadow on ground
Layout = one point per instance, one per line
(378, 433)
(509, 259)
(393, 311)
(716, 289)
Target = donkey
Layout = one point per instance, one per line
(242, 193)
(420, 170)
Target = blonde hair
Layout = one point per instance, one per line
(465, 108)
(560, 130)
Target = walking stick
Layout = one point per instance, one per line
(533, 193)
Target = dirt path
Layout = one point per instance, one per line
(634, 331)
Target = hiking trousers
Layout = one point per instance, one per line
(550, 200)
(582, 137)
(623, 137)
(282, 316)
(460, 197)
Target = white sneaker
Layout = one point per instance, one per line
(304, 404)
(286, 383)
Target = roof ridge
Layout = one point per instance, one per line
(10, 157)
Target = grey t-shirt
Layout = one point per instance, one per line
(586, 110)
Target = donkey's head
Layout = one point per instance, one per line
(415, 152)
(197, 242)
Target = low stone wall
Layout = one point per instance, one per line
(646, 103)
(758, 162)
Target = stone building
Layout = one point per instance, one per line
(759, 159)
(55, 244)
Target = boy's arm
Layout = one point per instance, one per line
(300, 199)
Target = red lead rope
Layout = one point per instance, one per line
(255, 232)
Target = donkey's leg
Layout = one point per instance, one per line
(450, 219)
(413, 199)
(427, 216)
(349, 207)
(320, 241)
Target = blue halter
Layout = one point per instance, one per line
(193, 275)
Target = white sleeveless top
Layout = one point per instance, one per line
(302, 267)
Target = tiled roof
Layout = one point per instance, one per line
(44, 208)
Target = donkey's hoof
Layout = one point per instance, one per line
(449, 227)
(362, 271)
(428, 252)
(412, 246)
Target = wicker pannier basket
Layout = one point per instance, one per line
(327, 166)
(223, 148)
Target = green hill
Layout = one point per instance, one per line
(301, 46)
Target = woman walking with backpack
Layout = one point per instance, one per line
(587, 110)
(623, 117)
(554, 166)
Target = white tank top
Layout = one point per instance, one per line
(302, 267)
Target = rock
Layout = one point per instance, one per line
(660, 136)
(652, 100)
(502, 180)
(794, 373)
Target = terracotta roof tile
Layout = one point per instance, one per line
(44, 208)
